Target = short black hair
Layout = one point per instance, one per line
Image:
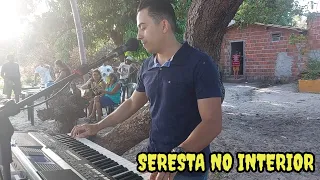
(159, 10)
(113, 76)
(58, 62)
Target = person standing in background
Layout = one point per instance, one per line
(44, 73)
(236, 64)
(10, 72)
(133, 72)
(124, 71)
(105, 70)
(51, 70)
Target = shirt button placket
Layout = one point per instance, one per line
(159, 84)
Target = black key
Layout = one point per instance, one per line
(105, 162)
(103, 166)
(70, 145)
(88, 153)
(138, 178)
(76, 149)
(94, 158)
(108, 165)
(113, 173)
(124, 175)
(64, 140)
(79, 148)
(67, 139)
(71, 142)
(61, 136)
(84, 151)
(129, 177)
(101, 161)
(114, 168)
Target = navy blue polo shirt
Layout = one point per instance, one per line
(173, 90)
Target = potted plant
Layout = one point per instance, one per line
(310, 78)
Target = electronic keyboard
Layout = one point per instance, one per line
(61, 157)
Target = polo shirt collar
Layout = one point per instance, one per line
(177, 59)
(157, 64)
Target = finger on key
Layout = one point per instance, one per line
(73, 131)
(77, 130)
(82, 132)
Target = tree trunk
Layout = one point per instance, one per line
(204, 31)
(207, 23)
(127, 134)
(77, 23)
(117, 38)
(82, 50)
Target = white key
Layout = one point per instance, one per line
(120, 160)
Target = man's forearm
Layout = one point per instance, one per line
(123, 112)
(201, 136)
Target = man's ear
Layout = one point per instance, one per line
(165, 26)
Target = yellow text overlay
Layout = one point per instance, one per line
(221, 162)
(195, 162)
(171, 162)
(276, 162)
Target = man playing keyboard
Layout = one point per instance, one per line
(182, 86)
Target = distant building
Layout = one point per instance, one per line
(266, 51)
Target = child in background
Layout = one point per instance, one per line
(236, 64)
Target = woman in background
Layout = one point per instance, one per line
(67, 105)
(93, 88)
(109, 97)
(63, 70)
(58, 102)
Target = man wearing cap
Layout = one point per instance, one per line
(124, 71)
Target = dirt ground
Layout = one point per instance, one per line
(255, 119)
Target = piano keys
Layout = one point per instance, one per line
(85, 158)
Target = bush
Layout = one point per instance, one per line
(313, 70)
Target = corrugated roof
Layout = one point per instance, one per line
(274, 26)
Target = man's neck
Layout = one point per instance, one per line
(168, 51)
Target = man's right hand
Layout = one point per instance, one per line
(85, 130)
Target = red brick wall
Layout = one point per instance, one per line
(260, 53)
(314, 32)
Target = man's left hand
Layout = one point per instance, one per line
(162, 176)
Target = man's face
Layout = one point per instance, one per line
(149, 33)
